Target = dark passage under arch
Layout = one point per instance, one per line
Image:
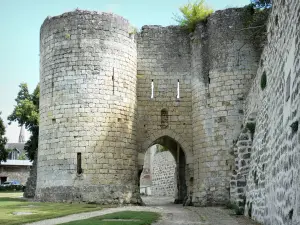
(176, 150)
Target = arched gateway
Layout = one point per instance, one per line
(181, 193)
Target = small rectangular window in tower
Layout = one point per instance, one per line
(79, 169)
(164, 118)
(178, 92)
(288, 87)
(152, 89)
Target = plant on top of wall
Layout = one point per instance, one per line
(132, 30)
(263, 81)
(193, 13)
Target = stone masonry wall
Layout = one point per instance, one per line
(242, 152)
(224, 62)
(164, 57)
(273, 183)
(164, 177)
(87, 107)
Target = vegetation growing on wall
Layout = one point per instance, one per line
(193, 13)
(132, 30)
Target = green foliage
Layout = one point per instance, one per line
(11, 188)
(3, 140)
(137, 218)
(263, 81)
(132, 30)
(67, 36)
(26, 112)
(161, 148)
(193, 13)
(22, 157)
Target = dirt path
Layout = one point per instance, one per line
(171, 214)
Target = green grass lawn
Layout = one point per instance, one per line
(137, 218)
(11, 203)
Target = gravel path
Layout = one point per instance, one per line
(171, 214)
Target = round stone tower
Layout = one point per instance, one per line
(87, 148)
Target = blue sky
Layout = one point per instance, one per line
(20, 21)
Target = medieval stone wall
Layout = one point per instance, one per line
(87, 107)
(224, 62)
(159, 173)
(273, 193)
(164, 174)
(164, 59)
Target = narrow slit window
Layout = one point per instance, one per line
(152, 89)
(79, 169)
(288, 87)
(113, 80)
(178, 91)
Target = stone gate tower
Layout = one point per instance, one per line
(87, 143)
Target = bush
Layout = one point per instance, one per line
(193, 13)
(12, 188)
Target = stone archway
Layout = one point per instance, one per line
(179, 155)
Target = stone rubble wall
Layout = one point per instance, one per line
(242, 152)
(273, 182)
(164, 176)
(87, 105)
(158, 174)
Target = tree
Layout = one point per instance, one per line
(3, 140)
(193, 13)
(262, 4)
(26, 112)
